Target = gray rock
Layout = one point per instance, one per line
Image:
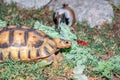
(116, 2)
(29, 3)
(95, 12)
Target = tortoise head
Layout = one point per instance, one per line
(61, 43)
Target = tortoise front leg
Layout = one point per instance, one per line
(55, 62)
(57, 57)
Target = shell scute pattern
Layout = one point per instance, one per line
(23, 43)
(27, 44)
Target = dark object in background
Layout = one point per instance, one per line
(1, 2)
(64, 15)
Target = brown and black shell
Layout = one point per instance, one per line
(25, 44)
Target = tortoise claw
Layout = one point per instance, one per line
(55, 65)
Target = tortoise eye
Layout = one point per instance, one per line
(66, 42)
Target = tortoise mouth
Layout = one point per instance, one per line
(68, 46)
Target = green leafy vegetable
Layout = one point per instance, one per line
(3, 23)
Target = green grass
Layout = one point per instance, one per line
(12, 70)
(102, 52)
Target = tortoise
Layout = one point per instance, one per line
(26, 44)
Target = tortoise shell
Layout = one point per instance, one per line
(27, 44)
